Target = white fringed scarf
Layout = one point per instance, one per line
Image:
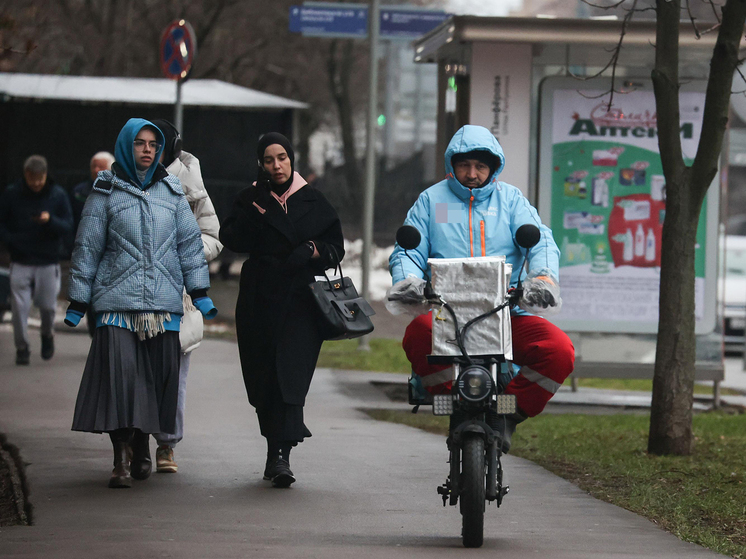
(146, 325)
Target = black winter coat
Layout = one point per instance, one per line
(277, 322)
(29, 242)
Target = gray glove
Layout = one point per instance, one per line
(541, 294)
(407, 296)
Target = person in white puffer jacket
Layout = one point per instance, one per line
(186, 168)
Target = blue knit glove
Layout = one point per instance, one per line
(72, 318)
(206, 307)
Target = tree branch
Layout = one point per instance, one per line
(614, 57)
(665, 78)
(609, 7)
(717, 100)
(692, 19)
(740, 73)
(204, 31)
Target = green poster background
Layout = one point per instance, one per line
(573, 192)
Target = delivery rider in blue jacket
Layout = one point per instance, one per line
(469, 214)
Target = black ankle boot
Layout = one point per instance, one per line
(142, 464)
(273, 453)
(120, 475)
(268, 467)
(47, 347)
(280, 473)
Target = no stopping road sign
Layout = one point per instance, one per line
(178, 50)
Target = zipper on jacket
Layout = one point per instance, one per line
(484, 247)
(471, 229)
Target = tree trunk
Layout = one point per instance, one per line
(673, 382)
(686, 187)
(339, 76)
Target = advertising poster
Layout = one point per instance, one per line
(603, 193)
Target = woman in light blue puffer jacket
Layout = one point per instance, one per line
(137, 247)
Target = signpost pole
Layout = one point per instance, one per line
(179, 109)
(374, 22)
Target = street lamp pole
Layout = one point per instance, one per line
(370, 152)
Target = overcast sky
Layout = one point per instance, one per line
(481, 7)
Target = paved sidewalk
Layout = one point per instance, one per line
(365, 489)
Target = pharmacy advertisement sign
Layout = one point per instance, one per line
(603, 193)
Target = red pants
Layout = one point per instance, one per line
(543, 351)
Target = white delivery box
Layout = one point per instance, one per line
(472, 286)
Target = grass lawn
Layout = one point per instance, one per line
(385, 355)
(700, 498)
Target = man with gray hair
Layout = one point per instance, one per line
(35, 217)
(100, 161)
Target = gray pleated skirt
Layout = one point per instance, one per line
(129, 383)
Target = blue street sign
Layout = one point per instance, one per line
(330, 20)
(409, 24)
(320, 19)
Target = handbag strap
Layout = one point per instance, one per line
(331, 247)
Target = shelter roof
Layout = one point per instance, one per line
(150, 91)
(541, 30)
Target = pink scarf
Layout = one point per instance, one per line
(298, 183)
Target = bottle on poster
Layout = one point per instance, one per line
(639, 241)
(650, 246)
(658, 187)
(629, 243)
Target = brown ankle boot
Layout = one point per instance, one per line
(141, 464)
(120, 475)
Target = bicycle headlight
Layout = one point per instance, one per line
(475, 383)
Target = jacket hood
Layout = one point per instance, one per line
(471, 138)
(124, 154)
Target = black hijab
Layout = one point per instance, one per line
(264, 142)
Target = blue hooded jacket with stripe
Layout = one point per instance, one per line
(138, 244)
(453, 225)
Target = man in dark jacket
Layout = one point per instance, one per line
(35, 217)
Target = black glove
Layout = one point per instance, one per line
(263, 180)
(247, 197)
(299, 257)
(257, 191)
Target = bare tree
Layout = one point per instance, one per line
(14, 42)
(686, 187)
(341, 60)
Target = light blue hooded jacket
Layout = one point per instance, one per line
(458, 222)
(138, 244)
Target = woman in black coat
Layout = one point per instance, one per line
(291, 234)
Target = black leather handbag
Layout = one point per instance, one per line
(344, 313)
